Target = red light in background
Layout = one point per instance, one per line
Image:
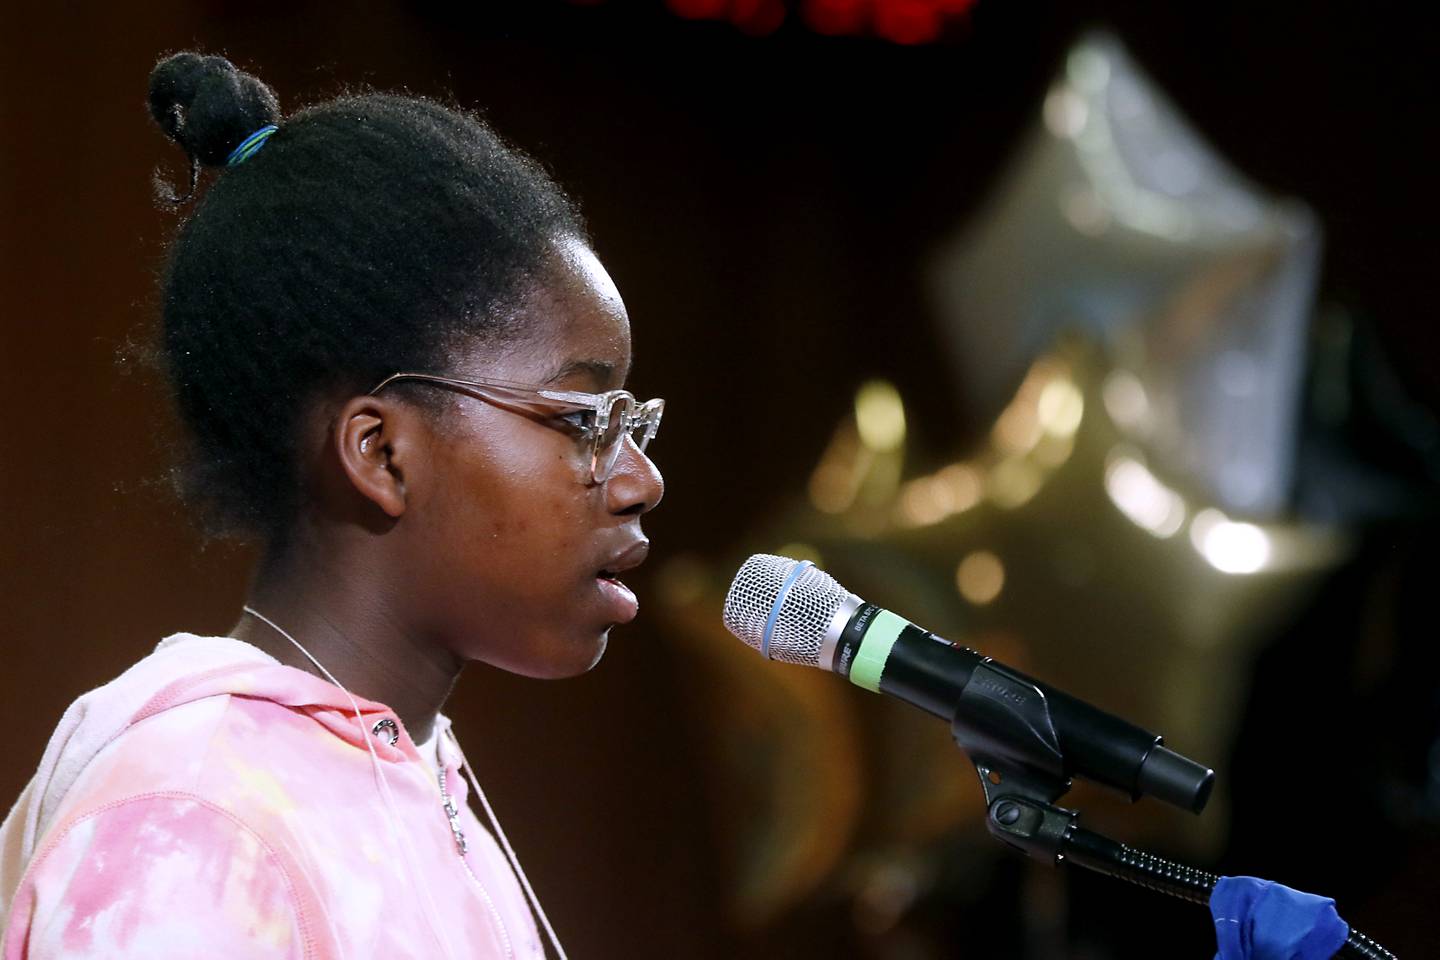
(908, 21)
(757, 17)
(837, 17)
(700, 9)
(899, 21)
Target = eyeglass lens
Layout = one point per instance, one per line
(609, 443)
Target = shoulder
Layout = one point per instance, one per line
(241, 749)
(160, 874)
(183, 749)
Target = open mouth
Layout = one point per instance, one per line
(620, 599)
(627, 559)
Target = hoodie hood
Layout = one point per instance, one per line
(182, 669)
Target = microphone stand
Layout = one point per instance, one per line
(1016, 753)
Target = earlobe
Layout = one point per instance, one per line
(370, 444)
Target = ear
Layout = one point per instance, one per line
(376, 443)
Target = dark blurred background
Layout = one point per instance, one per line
(770, 198)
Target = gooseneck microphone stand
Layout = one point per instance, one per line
(1017, 754)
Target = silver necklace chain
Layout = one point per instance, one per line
(452, 812)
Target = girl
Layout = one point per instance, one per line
(399, 363)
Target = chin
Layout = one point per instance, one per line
(593, 650)
(566, 658)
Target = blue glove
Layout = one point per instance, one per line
(1262, 920)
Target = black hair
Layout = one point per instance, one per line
(369, 234)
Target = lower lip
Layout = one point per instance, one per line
(622, 602)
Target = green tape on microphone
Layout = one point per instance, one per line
(874, 650)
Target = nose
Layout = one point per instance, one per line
(635, 485)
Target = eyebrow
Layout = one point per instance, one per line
(599, 369)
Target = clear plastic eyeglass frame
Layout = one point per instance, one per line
(614, 414)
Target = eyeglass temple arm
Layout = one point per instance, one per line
(518, 394)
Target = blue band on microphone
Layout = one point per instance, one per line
(779, 601)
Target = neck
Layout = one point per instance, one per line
(348, 624)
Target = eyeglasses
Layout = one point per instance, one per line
(603, 420)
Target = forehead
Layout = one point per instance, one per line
(576, 333)
(581, 270)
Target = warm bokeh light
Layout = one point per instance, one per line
(920, 504)
(1228, 546)
(1148, 503)
(1125, 400)
(880, 416)
(961, 486)
(1046, 402)
(1033, 436)
(930, 499)
(980, 577)
(1017, 429)
(1060, 407)
(1014, 482)
(1053, 450)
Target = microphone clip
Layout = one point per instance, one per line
(1003, 723)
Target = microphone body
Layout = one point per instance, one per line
(793, 612)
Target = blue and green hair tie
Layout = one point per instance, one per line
(250, 145)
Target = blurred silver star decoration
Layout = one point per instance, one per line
(1131, 315)
(1120, 223)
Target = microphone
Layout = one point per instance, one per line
(794, 612)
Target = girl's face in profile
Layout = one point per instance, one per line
(520, 547)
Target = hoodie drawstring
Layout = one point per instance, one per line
(509, 852)
(432, 914)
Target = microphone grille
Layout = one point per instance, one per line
(805, 615)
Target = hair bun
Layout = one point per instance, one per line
(207, 106)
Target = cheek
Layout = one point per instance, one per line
(516, 514)
(511, 582)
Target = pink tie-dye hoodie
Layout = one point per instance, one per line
(211, 802)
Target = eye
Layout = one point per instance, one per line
(581, 420)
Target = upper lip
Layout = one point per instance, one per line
(628, 558)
